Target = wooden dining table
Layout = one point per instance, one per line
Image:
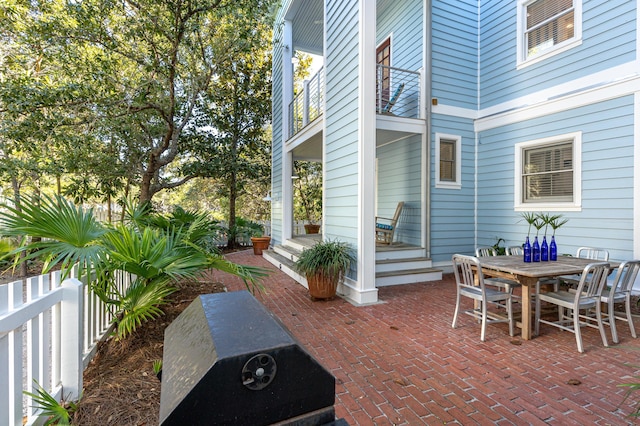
(528, 274)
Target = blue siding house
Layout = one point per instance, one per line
(470, 113)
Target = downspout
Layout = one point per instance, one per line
(426, 81)
(477, 136)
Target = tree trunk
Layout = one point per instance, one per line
(18, 204)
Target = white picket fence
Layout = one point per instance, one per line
(49, 330)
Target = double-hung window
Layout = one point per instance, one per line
(547, 27)
(548, 173)
(448, 164)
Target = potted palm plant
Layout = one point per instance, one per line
(324, 265)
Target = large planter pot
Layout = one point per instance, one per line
(259, 244)
(311, 228)
(322, 286)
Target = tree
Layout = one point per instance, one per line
(231, 142)
(124, 74)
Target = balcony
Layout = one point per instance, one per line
(398, 94)
(308, 104)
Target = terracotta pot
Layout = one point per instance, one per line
(259, 244)
(322, 286)
(311, 228)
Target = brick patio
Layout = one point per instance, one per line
(399, 362)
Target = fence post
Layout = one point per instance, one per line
(71, 335)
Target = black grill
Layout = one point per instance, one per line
(228, 361)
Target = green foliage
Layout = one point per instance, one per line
(631, 388)
(246, 228)
(157, 366)
(157, 249)
(308, 190)
(540, 220)
(498, 248)
(98, 94)
(332, 258)
(56, 412)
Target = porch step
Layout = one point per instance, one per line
(390, 270)
(283, 258)
(410, 276)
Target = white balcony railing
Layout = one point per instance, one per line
(397, 93)
(308, 104)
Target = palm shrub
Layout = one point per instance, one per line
(156, 252)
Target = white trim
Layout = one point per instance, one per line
(457, 184)
(522, 59)
(576, 205)
(366, 250)
(454, 111)
(612, 83)
(577, 94)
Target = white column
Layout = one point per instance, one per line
(285, 196)
(367, 152)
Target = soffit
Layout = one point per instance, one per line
(307, 17)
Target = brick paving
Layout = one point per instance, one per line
(399, 362)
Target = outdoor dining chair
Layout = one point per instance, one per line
(465, 269)
(575, 307)
(618, 290)
(502, 283)
(598, 254)
(514, 251)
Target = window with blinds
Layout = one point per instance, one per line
(447, 160)
(548, 24)
(547, 173)
(448, 171)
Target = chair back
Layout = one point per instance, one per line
(592, 280)
(593, 253)
(396, 215)
(463, 269)
(515, 250)
(625, 277)
(486, 251)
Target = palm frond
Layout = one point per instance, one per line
(141, 303)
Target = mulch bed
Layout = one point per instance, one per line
(120, 386)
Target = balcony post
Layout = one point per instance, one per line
(305, 103)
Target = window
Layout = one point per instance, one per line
(448, 156)
(548, 173)
(547, 27)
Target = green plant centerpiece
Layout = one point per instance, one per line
(324, 264)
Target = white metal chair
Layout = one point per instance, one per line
(618, 290)
(464, 268)
(503, 283)
(515, 251)
(579, 303)
(598, 254)
(386, 227)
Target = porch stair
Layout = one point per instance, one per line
(394, 265)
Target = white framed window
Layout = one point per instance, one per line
(548, 174)
(546, 28)
(448, 161)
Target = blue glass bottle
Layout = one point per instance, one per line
(553, 250)
(544, 250)
(535, 249)
(526, 249)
